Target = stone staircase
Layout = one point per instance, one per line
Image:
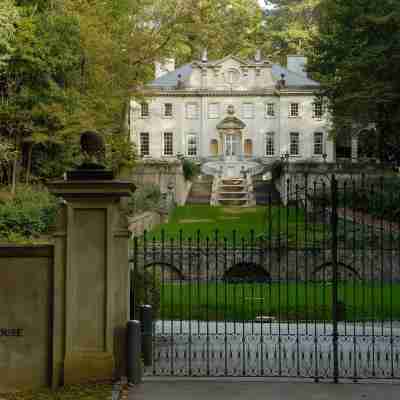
(200, 192)
(232, 192)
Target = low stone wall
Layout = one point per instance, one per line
(167, 175)
(301, 177)
(146, 222)
(26, 302)
(278, 262)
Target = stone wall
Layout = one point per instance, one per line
(26, 302)
(146, 222)
(278, 262)
(167, 175)
(301, 177)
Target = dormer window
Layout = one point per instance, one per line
(232, 76)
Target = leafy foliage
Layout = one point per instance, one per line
(289, 26)
(356, 55)
(147, 289)
(145, 198)
(190, 169)
(28, 215)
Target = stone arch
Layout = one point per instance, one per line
(246, 272)
(248, 147)
(214, 147)
(172, 272)
(345, 271)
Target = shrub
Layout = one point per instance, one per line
(276, 170)
(28, 215)
(147, 287)
(190, 169)
(145, 198)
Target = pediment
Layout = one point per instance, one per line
(231, 123)
(229, 60)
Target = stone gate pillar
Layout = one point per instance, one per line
(91, 307)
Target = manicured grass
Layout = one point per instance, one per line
(94, 391)
(288, 223)
(285, 301)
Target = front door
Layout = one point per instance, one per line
(232, 146)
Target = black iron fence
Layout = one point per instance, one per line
(315, 295)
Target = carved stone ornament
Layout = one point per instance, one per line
(231, 123)
(231, 109)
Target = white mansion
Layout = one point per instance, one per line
(230, 110)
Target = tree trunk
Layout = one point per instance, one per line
(14, 176)
(16, 164)
(29, 163)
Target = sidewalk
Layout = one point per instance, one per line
(236, 389)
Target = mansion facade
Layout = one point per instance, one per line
(229, 110)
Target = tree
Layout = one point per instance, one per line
(357, 58)
(9, 17)
(36, 88)
(223, 26)
(289, 26)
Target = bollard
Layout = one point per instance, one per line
(134, 365)
(146, 318)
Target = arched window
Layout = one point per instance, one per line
(214, 147)
(248, 147)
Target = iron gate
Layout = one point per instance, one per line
(317, 295)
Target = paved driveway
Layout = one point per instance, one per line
(257, 390)
(184, 348)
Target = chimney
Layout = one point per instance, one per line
(204, 56)
(162, 68)
(297, 64)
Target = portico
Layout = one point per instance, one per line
(230, 131)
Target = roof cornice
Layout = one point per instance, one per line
(229, 93)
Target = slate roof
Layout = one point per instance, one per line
(170, 80)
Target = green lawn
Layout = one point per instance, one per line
(285, 301)
(289, 223)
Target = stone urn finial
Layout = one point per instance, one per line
(93, 150)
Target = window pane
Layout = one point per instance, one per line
(294, 110)
(269, 144)
(318, 143)
(270, 110)
(248, 110)
(144, 144)
(192, 145)
(192, 111)
(294, 144)
(317, 110)
(213, 110)
(168, 144)
(144, 109)
(168, 110)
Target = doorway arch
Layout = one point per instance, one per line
(248, 147)
(214, 147)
